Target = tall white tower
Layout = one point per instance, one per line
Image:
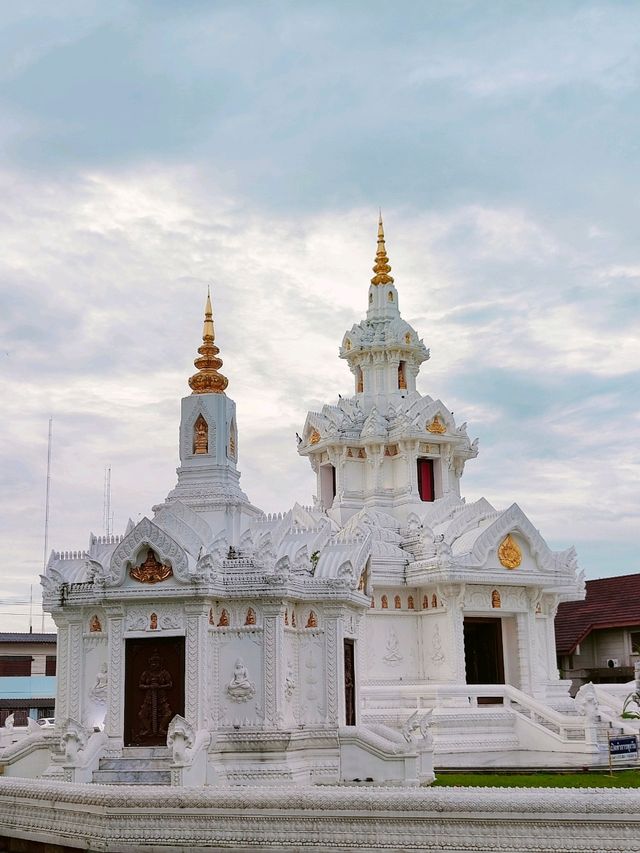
(208, 478)
(387, 447)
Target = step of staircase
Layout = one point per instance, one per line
(133, 764)
(132, 777)
(136, 766)
(145, 752)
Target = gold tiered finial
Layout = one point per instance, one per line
(207, 380)
(381, 268)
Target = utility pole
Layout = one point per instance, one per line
(46, 507)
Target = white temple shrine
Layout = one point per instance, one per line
(388, 626)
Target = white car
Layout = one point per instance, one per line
(46, 722)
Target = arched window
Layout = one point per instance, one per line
(410, 604)
(359, 381)
(384, 603)
(434, 600)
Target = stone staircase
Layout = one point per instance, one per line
(492, 726)
(137, 766)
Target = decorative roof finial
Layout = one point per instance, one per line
(207, 380)
(381, 268)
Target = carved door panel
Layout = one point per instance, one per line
(153, 690)
(349, 683)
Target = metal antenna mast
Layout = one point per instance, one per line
(107, 520)
(46, 507)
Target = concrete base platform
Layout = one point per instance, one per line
(457, 820)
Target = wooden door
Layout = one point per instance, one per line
(154, 688)
(349, 683)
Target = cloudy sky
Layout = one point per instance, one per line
(149, 148)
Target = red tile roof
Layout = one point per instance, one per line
(610, 603)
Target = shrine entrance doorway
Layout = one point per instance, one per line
(483, 656)
(153, 688)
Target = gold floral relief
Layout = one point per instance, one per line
(436, 426)
(151, 571)
(509, 553)
(314, 438)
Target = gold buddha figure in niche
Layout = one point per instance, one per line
(402, 380)
(200, 436)
(152, 570)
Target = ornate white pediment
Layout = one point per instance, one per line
(147, 534)
(513, 520)
(470, 516)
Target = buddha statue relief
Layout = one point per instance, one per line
(200, 436)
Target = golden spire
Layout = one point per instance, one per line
(207, 380)
(381, 268)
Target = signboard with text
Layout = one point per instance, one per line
(624, 747)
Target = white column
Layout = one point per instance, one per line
(195, 657)
(552, 666)
(116, 673)
(454, 599)
(334, 656)
(526, 651)
(273, 639)
(62, 670)
(75, 670)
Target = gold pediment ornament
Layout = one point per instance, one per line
(436, 425)
(509, 553)
(314, 438)
(151, 571)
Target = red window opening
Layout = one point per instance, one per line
(425, 479)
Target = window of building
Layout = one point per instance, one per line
(425, 479)
(19, 715)
(634, 636)
(15, 665)
(327, 485)
(50, 665)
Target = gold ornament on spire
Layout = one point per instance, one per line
(207, 380)
(381, 268)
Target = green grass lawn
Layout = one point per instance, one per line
(620, 779)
